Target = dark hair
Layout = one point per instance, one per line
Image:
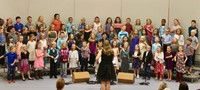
(108, 19)
(119, 20)
(70, 18)
(183, 86)
(145, 31)
(1, 22)
(61, 25)
(29, 17)
(56, 15)
(128, 18)
(18, 17)
(193, 21)
(189, 39)
(163, 20)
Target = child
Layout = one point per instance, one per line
(155, 34)
(134, 41)
(149, 28)
(52, 34)
(63, 56)
(166, 39)
(39, 62)
(195, 44)
(146, 61)
(159, 58)
(24, 65)
(124, 58)
(125, 39)
(40, 22)
(74, 30)
(13, 35)
(73, 59)
(53, 54)
(111, 33)
(69, 25)
(175, 27)
(138, 26)
(155, 45)
(25, 35)
(71, 41)
(10, 43)
(32, 31)
(85, 56)
(129, 28)
(63, 29)
(12, 58)
(99, 48)
(117, 40)
(108, 24)
(179, 36)
(81, 26)
(60, 84)
(116, 53)
(18, 25)
(189, 50)
(180, 59)
(144, 33)
(57, 22)
(92, 46)
(31, 49)
(162, 28)
(193, 26)
(96, 24)
(87, 32)
(142, 45)
(123, 33)
(2, 45)
(136, 60)
(169, 55)
(44, 46)
(61, 39)
(174, 45)
(117, 24)
(41, 30)
(99, 33)
(9, 25)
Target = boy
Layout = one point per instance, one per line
(195, 43)
(146, 61)
(13, 35)
(162, 28)
(99, 33)
(18, 25)
(12, 58)
(193, 26)
(29, 22)
(60, 84)
(2, 45)
(53, 54)
(166, 39)
(129, 28)
(123, 33)
(189, 50)
(85, 55)
(25, 35)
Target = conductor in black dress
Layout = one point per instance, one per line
(106, 72)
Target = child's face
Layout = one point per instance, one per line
(175, 22)
(71, 20)
(114, 43)
(82, 20)
(63, 27)
(118, 20)
(111, 28)
(193, 24)
(62, 35)
(123, 28)
(167, 31)
(136, 47)
(32, 38)
(128, 20)
(71, 36)
(54, 46)
(57, 17)
(31, 28)
(42, 29)
(65, 45)
(125, 39)
(84, 44)
(180, 48)
(13, 50)
(168, 49)
(155, 32)
(115, 37)
(136, 32)
(192, 33)
(93, 35)
(174, 40)
(163, 22)
(25, 31)
(188, 42)
(158, 49)
(148, 48)
(25, 48)
(96, 20)
(11, 39)
(10, 21)
(178, 32)
(125, 45)
(100, 44)
(21, 39)
(12, 30)
(141, 39)
(73, 28)
(87, 27)
(104, 36)
(73, 46)
(39, 46)
(137, 22)
(99, 29)
(29, 20)
(143, 32)
(156, 39)
(148, 22)
(18, 20)
(109, 20)
(41, 19)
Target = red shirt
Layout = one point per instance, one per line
(129, 28)
(57, 24)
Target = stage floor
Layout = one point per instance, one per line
(49, 84)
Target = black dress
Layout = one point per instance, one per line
(106, 69)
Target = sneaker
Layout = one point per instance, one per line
(13, 81)
(9, 81)
(138, 76)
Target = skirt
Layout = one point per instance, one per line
(124, 65)
(106, 73)
(115, 62)
(136, 64)
(73, 63)
(39, 63)
(159, 68)
(24, 65)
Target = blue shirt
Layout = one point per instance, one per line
(162, 30)
(121, 34)
(99, 36)
(60, 41)
(154, 47)
(2, 39)
(11, 58)
(68, 27)
(18, 26)
(167, 39)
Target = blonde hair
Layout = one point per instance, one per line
(60, 83)
(62, 45)
(91, 36)
(162, 86)
(22, 48)
(194, 30)
(53, 43)
(107, 48)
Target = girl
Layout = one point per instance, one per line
(125, 40)
(41, 30)
(44, 47)
(159, 58)
(85, 51)
(61, 39)
(179, 36)
(144, 33)
(63, 29)
(87, 32)
(10, 43)
(174, 45)
(169, 55)
(24, 65)
(99, 48)
(32, 31)
(53, 54)
(92, 46)
(117, 40)
(118, 24)
(57, 22)
(18, 46)
(175, 27)
(12, 58)
(111, 33)
(96, 24)
(155, 45)
(71, 41)
(155, 34)
(63, 58)
(149, 28)
(9, 25)
(39, 62)
(124, 58)
(136, 60)
(99, 33)
(108, 24)
(31, 49)
(138, 26)
(2, 45)
(135, 40)
(180, 59)
(81, 26)
(142, 45)
(52, 34)
(116, 53)
(73, 59)
(41, 22)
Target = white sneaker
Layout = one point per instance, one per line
(138, 76)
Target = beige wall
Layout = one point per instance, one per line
(184, 10)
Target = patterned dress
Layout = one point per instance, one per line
(180, 65)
